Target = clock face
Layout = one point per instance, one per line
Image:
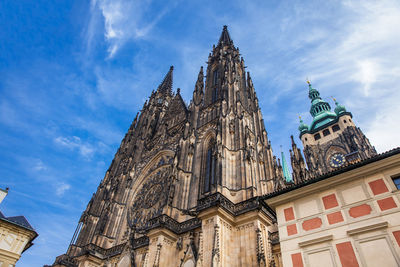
(337, 160)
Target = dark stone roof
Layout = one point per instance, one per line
(328, 175)
(20, 220)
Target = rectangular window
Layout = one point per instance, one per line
(326, 132)
(396, 181)
(317, 136)
(335, 128)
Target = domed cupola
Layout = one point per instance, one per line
(339, 109)
(302, 127)
(318, 106)
(320, 111)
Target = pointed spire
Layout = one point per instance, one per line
(166, 85)
(225, 39)
(293, 143)
(200, 81)
(286, 173)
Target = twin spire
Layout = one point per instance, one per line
(166, 84)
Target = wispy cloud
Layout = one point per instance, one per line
(74, 142)
(62, 188)
(39, 165)
(126, 20)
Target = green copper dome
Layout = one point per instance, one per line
(303, 127)
(320, 110)
(339, 108)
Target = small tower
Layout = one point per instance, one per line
(332, 139)
(285, 169)
(300, 172)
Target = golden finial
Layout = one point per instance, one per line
(308, 81)
(334, 99)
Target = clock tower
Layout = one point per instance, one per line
(332, 139)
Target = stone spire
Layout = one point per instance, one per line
(225, 38)
(166, 85)
(199, 88)
(300, 172)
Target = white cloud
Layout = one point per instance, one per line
(74, 142)
(62, 188)
(125, 20)
(39, 165)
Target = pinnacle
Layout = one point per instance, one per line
(225, 39)
(166, 85)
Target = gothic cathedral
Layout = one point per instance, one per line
(185, 187)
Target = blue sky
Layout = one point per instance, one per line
(73, 74)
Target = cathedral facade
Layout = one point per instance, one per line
(188, 185)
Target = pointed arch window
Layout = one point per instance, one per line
(210, 160)
(214, 92)
(214, 96)
(215, 77)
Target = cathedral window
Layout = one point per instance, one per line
(209, 177)
(215, 77)
(396, 181)
(317, 136)
(326, 132)
(214, 95)
(335, 128)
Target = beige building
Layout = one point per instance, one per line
(350, 217)
(16, 236)
(190, 184)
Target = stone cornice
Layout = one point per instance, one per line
(219, 200)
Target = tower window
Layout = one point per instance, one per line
(317, 136)
(215, 77)
(326, 132)
(335, 128)
(209, 178)
(214, 96)
(396, 181)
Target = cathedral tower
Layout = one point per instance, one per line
(332, 140)
(183, 187)
(232, 152)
